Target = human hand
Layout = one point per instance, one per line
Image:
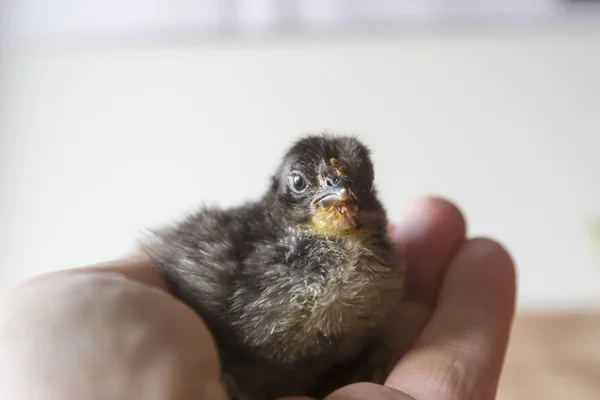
(112, 331)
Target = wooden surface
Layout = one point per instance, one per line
(553, 356)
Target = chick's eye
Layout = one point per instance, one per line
(297, 182)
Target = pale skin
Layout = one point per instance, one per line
(113, 331)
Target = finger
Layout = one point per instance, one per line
(137, 267)
(99, 336)
(364, 390)
(429, 235)
(461, 351)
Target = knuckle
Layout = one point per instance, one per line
(462, 379)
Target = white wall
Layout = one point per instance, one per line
(99, 143)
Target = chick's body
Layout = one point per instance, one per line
(296, 286)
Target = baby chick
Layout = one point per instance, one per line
(296, 286)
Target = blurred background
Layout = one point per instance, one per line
(116, 116)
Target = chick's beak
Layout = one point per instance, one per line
(332, 195)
